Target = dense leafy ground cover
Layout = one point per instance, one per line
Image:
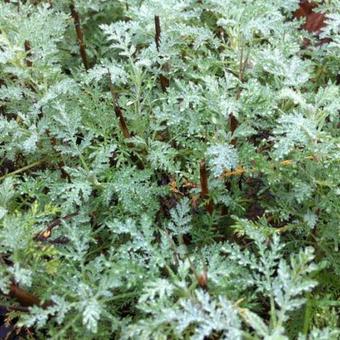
(169, 169)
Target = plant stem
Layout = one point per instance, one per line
(23, 169)
(29, 54)
(26, 298)
(80, 36)
(157, 32)
(204, 187)
(118, 110)
(48, 231)
(68, 325)
(307, 317)
(163, 80)
(16, 308)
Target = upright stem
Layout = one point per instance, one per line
(163, 80)
(29, 54)
(308, 314)
(118, 110)
(157, 32)
(233, 123)
(80, 36)
(204, 187)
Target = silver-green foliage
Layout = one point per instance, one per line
(136, 252)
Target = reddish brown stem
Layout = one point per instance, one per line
(164, 82)
(45, 234)
(80, 36)
(118, 110)
(15, 308)
(162, 79)
(28, 53)
(203, 280)
(157, 32)
(122, 123)
(25, 298)
(204, 187)
(233, 124)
